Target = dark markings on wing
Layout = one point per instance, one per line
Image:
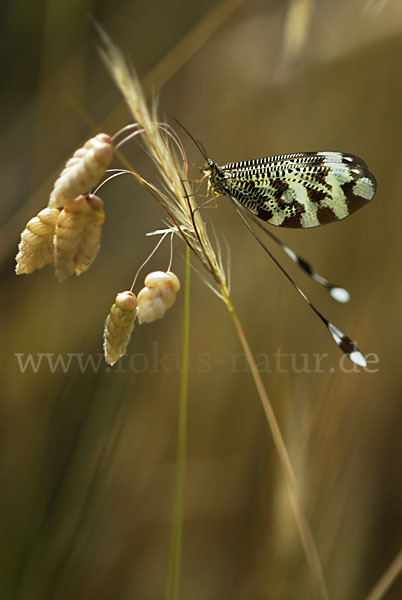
(297, 190)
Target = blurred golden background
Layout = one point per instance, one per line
(87, 452)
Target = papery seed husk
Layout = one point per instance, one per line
(119, 325)
(167, 293)
(150, 305)
(155, 279)
(83, 170)
(157, 296)
(174, 279)
(169, 288)
(150, 308)
(36, 249)
(77, 236)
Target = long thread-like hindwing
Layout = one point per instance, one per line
(296, 190)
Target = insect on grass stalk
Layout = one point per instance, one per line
(174, 196)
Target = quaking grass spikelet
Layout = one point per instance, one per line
(119, 326)
(77, 236)
(151, 304)
(157, 296)
(83, 170)
(35, 249)
(71, 237)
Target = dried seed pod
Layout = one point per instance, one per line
(77, 236)
(173, 284)
(157, 296)
(150, 305)
(36, 245)
(119, 326)
(83, 170)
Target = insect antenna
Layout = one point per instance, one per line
(337, 293)
(196, 142)
(343, 341)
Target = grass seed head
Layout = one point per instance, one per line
(119, 326)
(157, 296)
(35, 249)
(175, 194)
(77, 236)
(83, 170)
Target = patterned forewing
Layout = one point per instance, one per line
(300, 157)
(299, 190)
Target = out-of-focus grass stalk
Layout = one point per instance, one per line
(306, 536)
(387, 579)
(177, 529)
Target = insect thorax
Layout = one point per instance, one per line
(216, 177)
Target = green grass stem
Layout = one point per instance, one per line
(177, 530)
